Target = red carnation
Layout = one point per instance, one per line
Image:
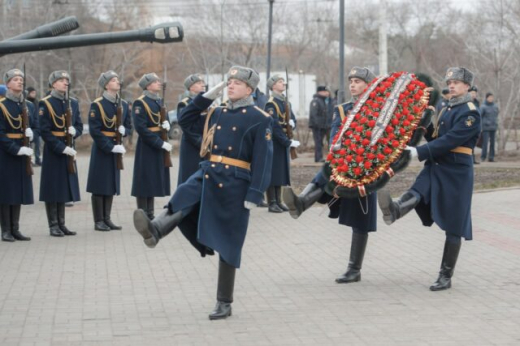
(416, 109)
(359, 158)
(354, 124)
(406, 111)
(347, 142)
(402, 131)
(417, 97)
(357, 137)
(359, 129)
(330, 157)
(380, 157)
(371, 156)
(376, 114)
(349, 158)
(389, 129)
(373, 95)
(357, 171)
(395, 122)
(411, 118)
(349, 133)
(387, 150)
(343, 152)
(371, 123)
(365, 142)
(391, 135)
(411, 87)
(401, 97)
(360, 151)
(341, 161)
(368, 133)
(353, 147)
(363, 120)
(398, 115)
(406, 123)
(395, 144)
(368, 164)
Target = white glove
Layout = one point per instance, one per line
(29, 134)
(71, 131)
(118, 149)
(167, 146)
(249, 205)
(412, 150)
(292, 123)
(215, 92)
(24, 151)
(121, 130)
(69, 151)
(295, 144)
(166, 125)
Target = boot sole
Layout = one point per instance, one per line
(290, 200)
(435, 289)
(214, 318)
(142, 225)
(385, 201)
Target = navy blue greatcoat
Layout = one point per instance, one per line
(103, 176)
(446, 181)
(151, 177)
(57, 185)
(189, 156)
(281, 174)
(17, 186)
(212, 199)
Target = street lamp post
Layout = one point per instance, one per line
(269, 39)
(341, 92)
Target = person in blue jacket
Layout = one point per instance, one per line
(17, 188)
(281, 172)
(57, 185)
(104, 179)
(212, 207)
(443, 189)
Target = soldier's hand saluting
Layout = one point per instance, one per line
(215, 92)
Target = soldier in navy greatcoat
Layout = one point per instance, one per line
(57, 185)
(17, 188)
(359, 213)
(443, 189)
(212, 207)
(281, 174)
(151, 177)
(189, 158)
(104, 179)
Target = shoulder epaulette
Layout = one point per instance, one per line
(262, 111)
(472, 106)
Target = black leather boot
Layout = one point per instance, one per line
(97, 211)
(279, 200)
(150, 201)
(394, 209)
(154, 230)
(225, 288)
(107, 211)
(5, 222)
(449, 259)
(298, 204)
(61, 220)
(271, 199)
(52, 218)
(15, 223)
(357, 253)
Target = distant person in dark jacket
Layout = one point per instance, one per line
(318, 121)
(489, 112)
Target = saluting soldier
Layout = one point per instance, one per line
(281, 174)
(151, 177)
(57, 184)
(359, 213)
(189, 158)
(17, 188)
(212, 207)
(104, 178)
(443, 189)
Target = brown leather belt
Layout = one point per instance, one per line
(229, 161)
(59, 133)
(14, 135)
(462, 150)
(154, 129)
(108, 133)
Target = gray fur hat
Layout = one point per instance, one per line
(192, 79)
(362, 73)
(11, 74)
(54, 76)
(244, 74)
(105, 77)
(273, 79)
(148, 79)
(459, 73)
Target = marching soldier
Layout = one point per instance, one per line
(17, 186)
(151, 177)
(104, 178)
(58, 185)
(212, 207)
(358, 213)
(190, 142)
(443, 189)
(281, 175)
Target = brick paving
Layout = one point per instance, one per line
(109, 289)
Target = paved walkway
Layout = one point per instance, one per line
(109, 289)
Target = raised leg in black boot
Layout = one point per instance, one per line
(298, 204)
(279, 200)
(15, 223)
(357, 253)
(107, 211)
(271, 199)
(61, 220)
(397, 208)
(97, 211)
(449, 260)
(5, 222)
(154, 230)
(52, 218)
(225, 288)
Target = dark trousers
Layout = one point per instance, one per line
(318, 135)
(36, 142)
(488, 137)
